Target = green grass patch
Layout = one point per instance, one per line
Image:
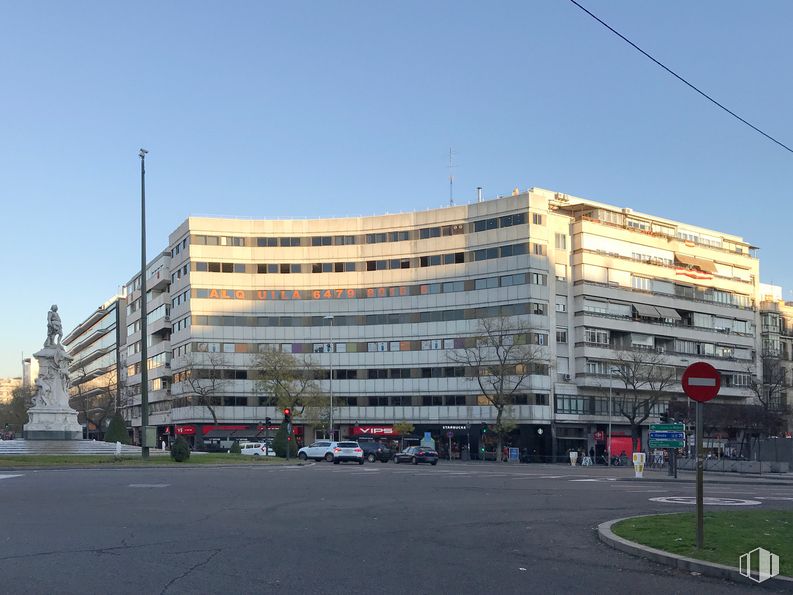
(21, 461)
(727, 535)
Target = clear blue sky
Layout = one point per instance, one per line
(315, 109)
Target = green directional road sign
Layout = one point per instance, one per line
(667, 427)
(666, 443)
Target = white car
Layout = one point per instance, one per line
(347, 451)
(321, 449)
(256, 449)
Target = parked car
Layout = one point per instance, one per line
(319, 450)
(375, 451)
(347, 451)
(416, 455)
(257, 449)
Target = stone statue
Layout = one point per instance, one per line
(54, 327)
(51, 417)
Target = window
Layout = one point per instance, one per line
(213, 267)
(539, 309)
(561, 241)
(597, 336)
(561, 272)
(538, 249)
(538, 279)
(561, 335)
(561, 303)
(641, 283)
(536, 218)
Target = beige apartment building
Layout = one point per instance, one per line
(385, 301)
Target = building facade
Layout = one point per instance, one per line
(776, 319)
(387, 301)
(96, 372)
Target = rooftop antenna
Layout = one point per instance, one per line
(451, 179)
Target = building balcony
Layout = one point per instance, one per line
(388, 414)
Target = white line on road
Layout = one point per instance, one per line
(9, 476)
(149, 485)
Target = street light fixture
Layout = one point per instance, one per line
(330, 360)
(608, 443)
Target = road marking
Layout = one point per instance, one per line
(708, 501)
(772, 498)
(9, 476)
(149, 485)
(701, 382)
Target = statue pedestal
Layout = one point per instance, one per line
(51, 418)
(50, 423)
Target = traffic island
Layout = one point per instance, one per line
(731, 546)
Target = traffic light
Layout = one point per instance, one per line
(664, 417)
(267, 421)
(484, 429)
(287, 415)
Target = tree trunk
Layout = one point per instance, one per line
(499, 434)
(636, 431)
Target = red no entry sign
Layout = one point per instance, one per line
(701, 381)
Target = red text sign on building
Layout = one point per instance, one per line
(701, 381)
(374, 431)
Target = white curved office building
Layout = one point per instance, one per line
(385, 300)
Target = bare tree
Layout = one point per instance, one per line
(771, 391)
(203, 377)
(94, 398)
(647, 377)
(292, 382)
(501, 357)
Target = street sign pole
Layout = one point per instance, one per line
(700, 469)
(701, 382)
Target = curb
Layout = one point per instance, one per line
(153, 467)
(725, 481)
(711, 569)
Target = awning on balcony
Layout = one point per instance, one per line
(701, 263)
(668, 313)
(646, 311)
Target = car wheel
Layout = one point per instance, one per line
(360, 462)
(414, 461)
(256, 454)
(396, 461)
(434, 463)
(329, 457)
(336, 462)
(371, 458)
(302, 456)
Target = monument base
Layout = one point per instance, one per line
(50, 423)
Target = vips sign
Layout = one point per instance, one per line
(374, 431)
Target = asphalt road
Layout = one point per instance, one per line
(323, 528)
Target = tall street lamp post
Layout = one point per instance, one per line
(330, 359)
(144, 352)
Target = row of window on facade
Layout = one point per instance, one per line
(623, 279)
(660, 229)
(370, 238)
(363, 401)
(217, 373)
(519, 309)
(430, 260)
(512, 280)
(622, 340)
(606, 368)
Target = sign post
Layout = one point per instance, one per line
(701, 382)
